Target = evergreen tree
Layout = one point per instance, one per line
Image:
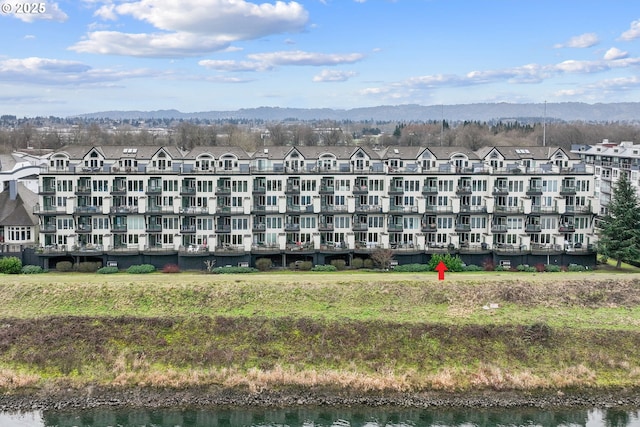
(620, 228)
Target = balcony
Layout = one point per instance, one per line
(188, 229)
(83, 228)
(187, 191)
(83, 190)
(223, 191)
(261, 189)
(532, 228)
(368, 208)
(534, 190)
(508, 209)
(567, 228)
(462, 228)
(48, 228)
(193, 250)
(429, 228)
(292, 189)
(47, 189)
(119, 228)
(118, 190)
(291, 227)
(536, 210)
(567, 190)
(327, 189)
(325, 226)
(360, 189)
(87, 209)
(429, 190)
(360, 226)
(463, 190)
(396, 190)
(395, 227)
(573, 210)
(221, 228)
(500, 191)
(153, 228)
(124, 210)
(194, 210)
(498, 228)
(153, 190)
(259, 226)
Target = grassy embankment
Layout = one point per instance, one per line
(363, 332)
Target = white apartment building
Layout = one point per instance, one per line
(609, 160)
(157, 205)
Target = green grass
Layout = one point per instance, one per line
(370, 331)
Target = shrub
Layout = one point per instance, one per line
(10, 265)
(88, 267)
(263, 264)
(540, 267)
(324, 268)
(339, 264)
(453, 263)
(576, 267)
(141, 269)
(32, 269)
(234, 270)
(412, 268)
(171, 268)
(64, 266)
(368, 263)
(552, 268)
(107, 270)
(305, 265)
(526, 268)
(499, 268)
(357, 263)
(472, 267)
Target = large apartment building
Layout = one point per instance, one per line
(609, 160)
(159, 205)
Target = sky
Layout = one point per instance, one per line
(81, 56)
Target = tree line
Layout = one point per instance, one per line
(52, 134)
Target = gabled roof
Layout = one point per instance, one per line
(217, 152)
(139, 152)
(445, 153)
(18, 212)
(519, 153)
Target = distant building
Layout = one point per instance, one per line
(609, 160)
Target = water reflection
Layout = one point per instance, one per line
(326, 417)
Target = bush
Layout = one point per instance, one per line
(412, 268)
(339, 264)
(540, 267)
(526, 268)
(357, 263)
(263, 264)
(64, 266)
(576, 267)
(10, 265)
(305, 265)
(234, 270)
(88, 267)
(368, 263)
(171, 268)
(141, 269)
(107, 270)
(453, 263)
(32, 269)
(499, 268)
(324, 268)
(552, 268)
(472, 267)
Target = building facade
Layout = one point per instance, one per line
(159, 205)
(609, 160)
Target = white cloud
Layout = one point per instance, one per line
(334, 76)
(207, 25)
(615, 53)
(149, 45)
(632, 33)
(229, 65)
(298, 57)
(581, 41)
(45, 71)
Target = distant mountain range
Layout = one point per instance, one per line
(628, 112)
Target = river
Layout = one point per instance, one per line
(325, 417)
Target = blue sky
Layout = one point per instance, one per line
(81, 56)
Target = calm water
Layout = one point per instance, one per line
(321, 417)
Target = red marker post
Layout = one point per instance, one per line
(441, 268)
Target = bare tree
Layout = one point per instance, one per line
(382, 258)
